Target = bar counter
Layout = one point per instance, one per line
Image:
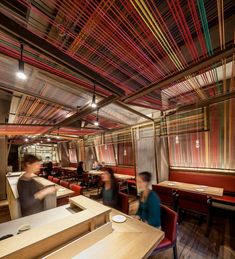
(83, 229)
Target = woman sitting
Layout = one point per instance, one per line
(80, 169)
(109, 192)
(149, 207)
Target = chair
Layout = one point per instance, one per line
(76, 188)
(196, 203)
(64, 183)
(123, 186)
(167, 196)
(50, 178)
(123, 202)
(56, 180)
(169, 226)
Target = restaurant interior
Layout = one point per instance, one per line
(117, 123)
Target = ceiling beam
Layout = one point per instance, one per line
(87, 109)
(126, 107)
(213, 100)
(73, 91)
(21, 33)
(50, 101)
(230, 49)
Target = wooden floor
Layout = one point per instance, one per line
(191, 242)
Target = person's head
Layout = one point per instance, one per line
(95, 163)
(48, 158)
(80, 164)
(31, 164)
(144, 180)
(107, 174)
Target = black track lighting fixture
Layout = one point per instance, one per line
(20, 73)
(93, 102)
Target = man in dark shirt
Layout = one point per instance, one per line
(30, 196)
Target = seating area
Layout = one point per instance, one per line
(227, 182)
(117, 129)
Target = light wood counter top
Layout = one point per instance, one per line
(118, 176)
(38, 240)
(195, 188)
(131, 239)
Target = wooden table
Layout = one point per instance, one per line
(131, 239)
(195, 188)
(35, 220)
(63, 192)
(86, 215)
(118, 176)
(72, 169)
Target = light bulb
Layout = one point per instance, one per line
(177, 140)
(26, 139)
(58, 137)
(93, 105)
(197, 143)
(124, 153)
(96, 123)
(48, 139)
(21, 75)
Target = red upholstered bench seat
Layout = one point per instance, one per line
(225, 199)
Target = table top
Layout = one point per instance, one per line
(131, 239)
(69, 168)
(118, 176)
(35, 220)
(124, 176)
(63, 192)
(202, 189)
(74, 223)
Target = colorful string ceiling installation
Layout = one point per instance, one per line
(133, 43)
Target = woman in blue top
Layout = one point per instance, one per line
(149, 207)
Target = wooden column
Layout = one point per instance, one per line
(4, 109)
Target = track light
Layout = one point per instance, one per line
(20, 73)
(96, 123)
(48, 139)
(93, 102)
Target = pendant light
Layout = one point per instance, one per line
(93, 102)
(197, 140)
(177, 129)
(20, 73)
(96, 123)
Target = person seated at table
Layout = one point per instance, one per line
(30, 196)
(96, 166)
(109, 191)
(80, 169)
(149, 206)
(48, 166)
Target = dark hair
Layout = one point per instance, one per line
(111, 172)
(30, 159)
(80, 163)
(146, 176)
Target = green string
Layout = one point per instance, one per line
(202, 13)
